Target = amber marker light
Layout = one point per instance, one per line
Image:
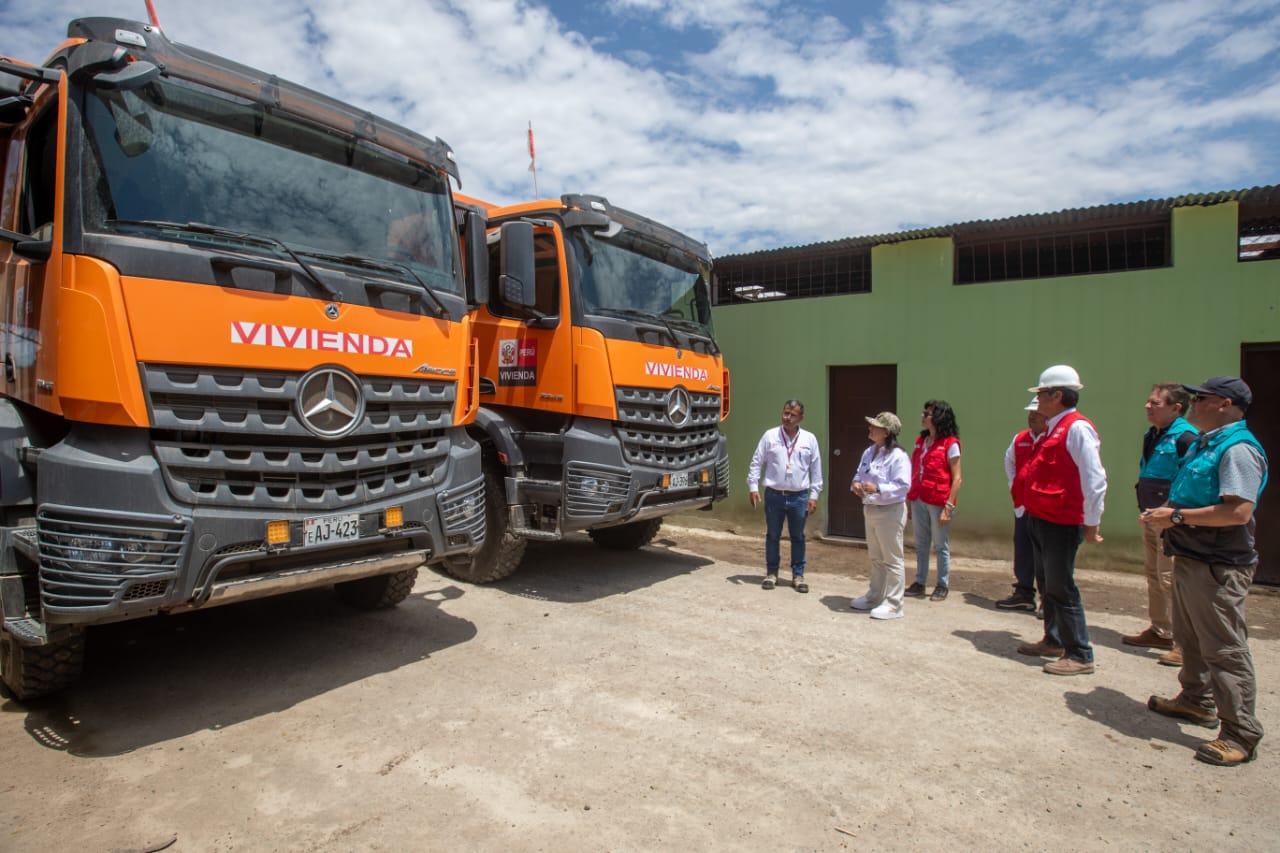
(277, 533)
(666, 481)
(706, 476)
(395, 516)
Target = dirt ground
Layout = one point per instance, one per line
(655, 700)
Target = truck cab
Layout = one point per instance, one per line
(602, 388)
(236, 340)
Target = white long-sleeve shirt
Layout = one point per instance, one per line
(1083, 447)
(786, 464)
(891, 473)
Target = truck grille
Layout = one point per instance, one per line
(649, 438)
(234, 439)
(90, 559)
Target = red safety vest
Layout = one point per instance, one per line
(933, 484)
(1050, 482)
(1024, 444)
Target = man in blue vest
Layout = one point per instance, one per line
(1208, 526)
(1163, 449)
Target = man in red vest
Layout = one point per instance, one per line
(1063, 487)
(1024, 567)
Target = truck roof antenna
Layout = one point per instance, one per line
(151, 13)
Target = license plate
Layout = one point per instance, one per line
(679, 481)
(331, 528)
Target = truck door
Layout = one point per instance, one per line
(527, 351)
(29, 205)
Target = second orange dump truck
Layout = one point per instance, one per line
(601, 385)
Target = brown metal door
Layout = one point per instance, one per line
(854, 393)
(1260, 367)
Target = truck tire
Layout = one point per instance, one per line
(379, 592)
(502, 551)
(33, 671)
(626, 537)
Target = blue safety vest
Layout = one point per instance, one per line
(1197, 482)
(1164, 461)
(1157, 470)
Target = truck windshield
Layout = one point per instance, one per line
(626, 272)
(178, 152)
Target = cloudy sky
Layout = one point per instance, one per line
(754, 124)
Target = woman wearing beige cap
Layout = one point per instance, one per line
(882, 480)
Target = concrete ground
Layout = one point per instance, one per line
(655, 700)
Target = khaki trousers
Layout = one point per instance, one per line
(1208, 620)
(1159, 582)
(884, 547)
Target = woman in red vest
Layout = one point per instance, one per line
(935, 482)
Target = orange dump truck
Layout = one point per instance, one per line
(602, 388)
(237, 345)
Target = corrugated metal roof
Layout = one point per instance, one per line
(1072, 216)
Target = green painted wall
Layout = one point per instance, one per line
(981, 346)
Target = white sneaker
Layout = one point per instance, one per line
(861, 603)
(886, 611)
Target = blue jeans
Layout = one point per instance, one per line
(795, 509)
(1055, 547)
(926, 520)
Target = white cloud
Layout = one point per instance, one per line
(710, 14)
(776, 125)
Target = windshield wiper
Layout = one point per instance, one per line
(252, 239)
(693, 327)
(381, 265)
(650, 316)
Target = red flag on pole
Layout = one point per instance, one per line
(533, 160)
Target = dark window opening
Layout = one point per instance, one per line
(1259, 231)
(546, 281)
(35, 215)
(739, 281)
(1053, 254)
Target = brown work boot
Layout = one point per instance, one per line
(1223, 753)
(1068, 666)
(1148, 638)
(1175, 707)
(1041, 650)
(1173, 657)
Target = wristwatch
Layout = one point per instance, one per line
(1176, 516)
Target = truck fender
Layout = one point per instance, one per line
(498, 432)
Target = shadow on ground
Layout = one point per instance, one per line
(152, 680)
(575, 569)
(1130, 718)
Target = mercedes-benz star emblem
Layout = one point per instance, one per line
(679, 406)
(329, 402)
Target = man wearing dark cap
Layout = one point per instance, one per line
(1208, 529)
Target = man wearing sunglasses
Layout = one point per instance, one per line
(1208, 529)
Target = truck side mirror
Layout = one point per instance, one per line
(477, 259)
(27, 247)
(516, 286)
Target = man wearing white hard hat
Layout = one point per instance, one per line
(1063, 487)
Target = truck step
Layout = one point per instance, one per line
(26, 542)
(26, 631)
